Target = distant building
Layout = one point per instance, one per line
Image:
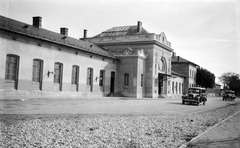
(217, 86)
(187, 68)
(177, 83)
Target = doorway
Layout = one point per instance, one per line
(112, 82)
(160, 84)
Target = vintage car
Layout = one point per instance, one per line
(229, 95)
(196, 95)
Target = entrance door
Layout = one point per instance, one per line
(58, 69)
(102, 80)
(112, 81)
(160, 84)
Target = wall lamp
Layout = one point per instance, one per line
(48, 73)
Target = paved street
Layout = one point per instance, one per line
(107, 106)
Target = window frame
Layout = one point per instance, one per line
(172, 87)
(101, 77)
(39, 67)
(12, 69)
(58, 80)
(89, 76)
(126, 80)
(75, 75)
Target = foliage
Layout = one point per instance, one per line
(205, 78)
(231, 81)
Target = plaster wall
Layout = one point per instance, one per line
(148, 75)
(177, 90)
(28, 49)
(161, 54)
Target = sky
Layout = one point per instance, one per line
(205, 32)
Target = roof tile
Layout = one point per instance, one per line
(30, 30)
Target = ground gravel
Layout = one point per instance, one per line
(165, 130)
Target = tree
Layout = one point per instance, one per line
(231, 81)
(205, 78)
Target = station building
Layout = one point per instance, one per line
(144, 59)
(124, 60)
(36, 63)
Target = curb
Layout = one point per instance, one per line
(193, 142)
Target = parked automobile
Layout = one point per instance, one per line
(229, 95)
(196, 95)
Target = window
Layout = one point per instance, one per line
(75, 73)
(89, 76)
(126, 79)
(173, 87)
(179, 87)
(37, 70)
(11, 72)
(141, 80)
(57, 72)
(101, 78)
(176, 87)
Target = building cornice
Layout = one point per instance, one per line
(131, 56)
(134, 43)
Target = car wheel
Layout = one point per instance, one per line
(183, 102)
(204, 102)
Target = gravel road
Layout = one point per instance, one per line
(167, 130)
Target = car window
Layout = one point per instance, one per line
(194, 90)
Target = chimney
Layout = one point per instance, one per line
(178, 57)
(64, 31)
(84, 33)
(173, 54)
(139, 26)
(37, 21)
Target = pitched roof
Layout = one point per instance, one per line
(178, 59)
(122, 30)
(40, 33)
(175, 72)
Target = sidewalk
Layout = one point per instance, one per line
(226, 134)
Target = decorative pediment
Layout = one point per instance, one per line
(163, 38)
(127, 51)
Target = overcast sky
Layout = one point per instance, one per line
(206, 32)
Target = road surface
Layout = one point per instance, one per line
(107, 106)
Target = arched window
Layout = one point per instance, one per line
(162, 65)
(37, 70)
(89, 76)
(90, 79)
(58, 72)
(12, 63)
(75, 73)
(11, 70)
